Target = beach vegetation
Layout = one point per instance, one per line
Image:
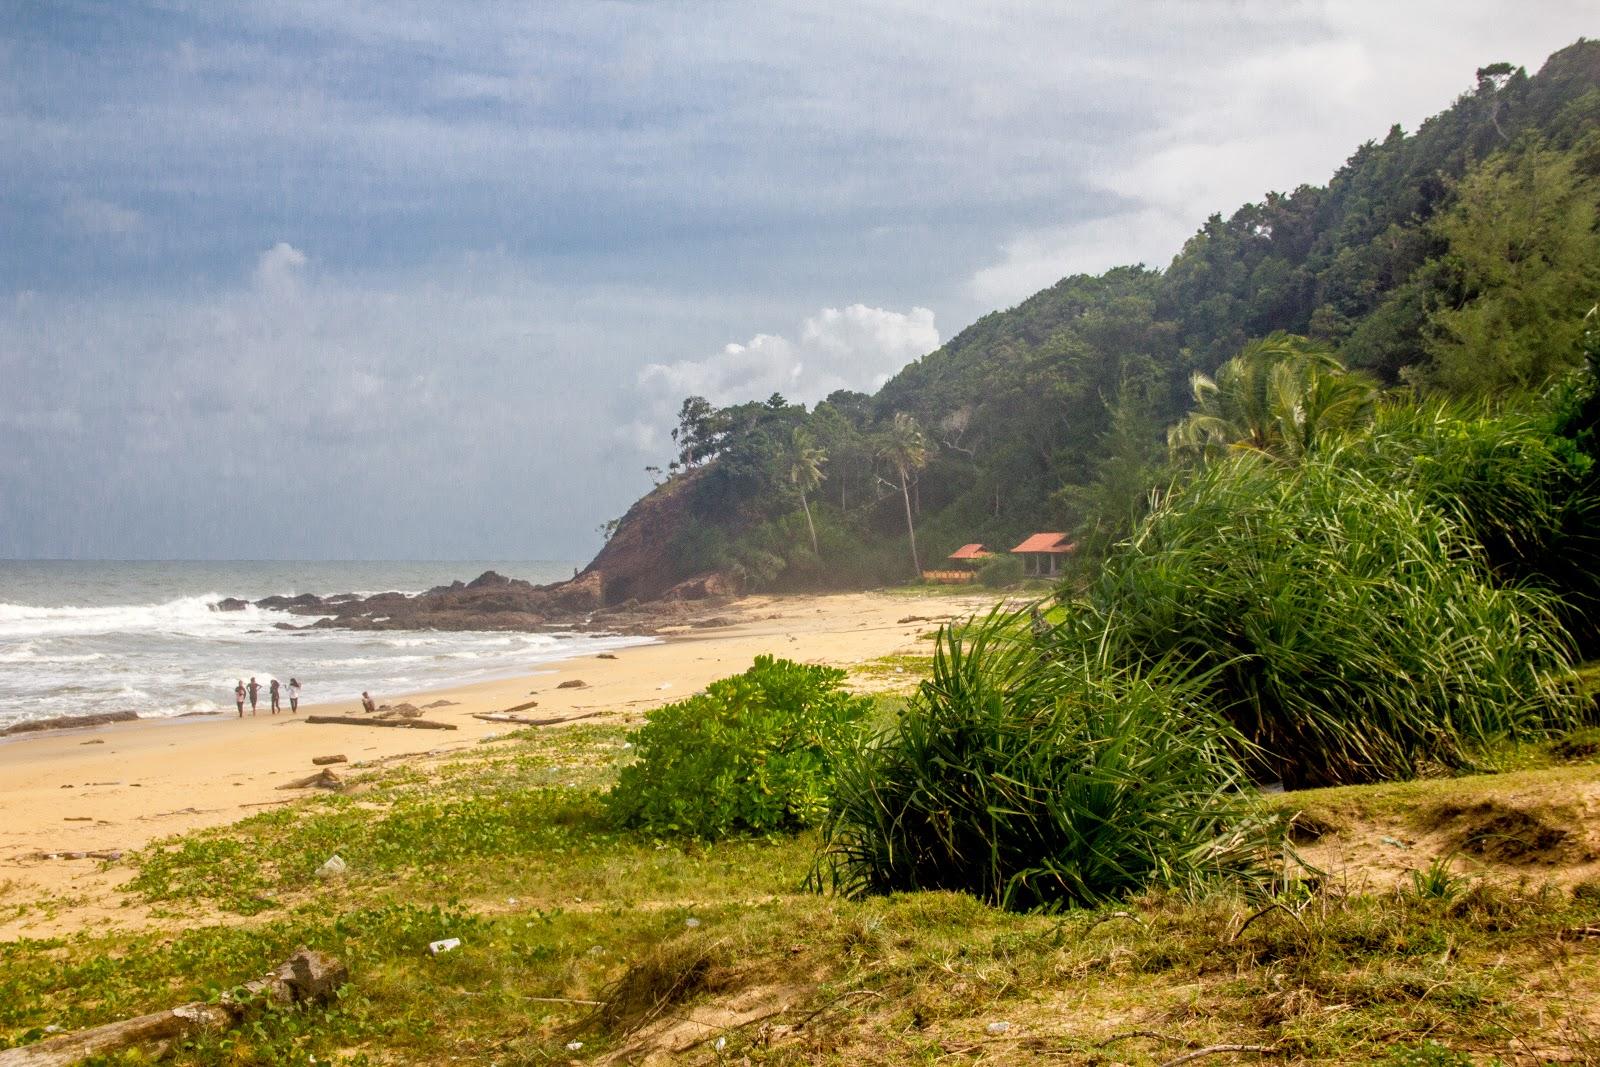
(589, 940)
(754, 753)
(1000, 571)
(1037, 777)
(1345, 624)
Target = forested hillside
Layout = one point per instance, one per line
(1459, 259)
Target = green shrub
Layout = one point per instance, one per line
(1035, 780)
(1528, 495)
(1349, 628)
(999, 571)
(754, 752)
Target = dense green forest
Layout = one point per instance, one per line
(1455, 262)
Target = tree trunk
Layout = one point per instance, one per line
(809, 525)
(911, 530)
(308, 977)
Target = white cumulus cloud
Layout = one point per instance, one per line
(278, 268)
(855, 347)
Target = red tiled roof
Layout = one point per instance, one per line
(1046, 542)
(972, 551)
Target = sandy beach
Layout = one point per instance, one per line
(122, 786)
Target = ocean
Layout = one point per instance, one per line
(81, 637)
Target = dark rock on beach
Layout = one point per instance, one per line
(68, 722)
(230, 603)
(633, 586)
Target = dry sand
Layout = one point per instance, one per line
(122, 786)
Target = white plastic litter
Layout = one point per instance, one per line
(574, 1046)
(333, 867)
(691, 923)
(998, 1028)
(449, 944)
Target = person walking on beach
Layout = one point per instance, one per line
(294, 694)
(272, 691)
(255, 691)
(238, 696)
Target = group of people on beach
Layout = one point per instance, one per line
(253, 693)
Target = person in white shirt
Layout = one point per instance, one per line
(294, 694)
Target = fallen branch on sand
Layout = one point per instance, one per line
(323, 779)
(523, 720)
(77, 854)
(306, 977)
(400, 724)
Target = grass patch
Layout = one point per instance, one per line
(553, 909)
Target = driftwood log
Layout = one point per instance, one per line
(401, 724)
(523, 720)
(307, 977)
(323, 779)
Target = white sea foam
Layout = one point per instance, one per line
(157, 647)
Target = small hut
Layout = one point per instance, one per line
(964, 565)
(1042, 552)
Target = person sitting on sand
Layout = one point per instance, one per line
(238, 696)
(294, 694)
(255, 691)
(367, 703)
(272, 691)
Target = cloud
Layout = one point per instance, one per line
(1267, 112)
(101, 218)
(855, 347)
(278, 269)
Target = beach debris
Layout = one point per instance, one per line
(333, 867)
(439, 948)
(606, 655)
(86, 854)
(439, 704)
(351, 720)
(573, 683)
(1396, 842)
(691, 923)
(77, 818)
(574, 1046)
(307, 977)
(323, 779)
(68, 722)
(998, 1027)
(323, 761)
(522, 707)
(523, 720)
(93, 741)
(403, 711)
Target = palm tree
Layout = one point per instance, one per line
(1279, 395)
(906, 449)
(805, 473)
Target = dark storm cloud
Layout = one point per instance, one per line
(420, 279)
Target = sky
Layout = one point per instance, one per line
(405, 280)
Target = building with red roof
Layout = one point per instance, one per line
(1042, 552)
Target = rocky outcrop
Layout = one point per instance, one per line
(638, 562)
(634, 585)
